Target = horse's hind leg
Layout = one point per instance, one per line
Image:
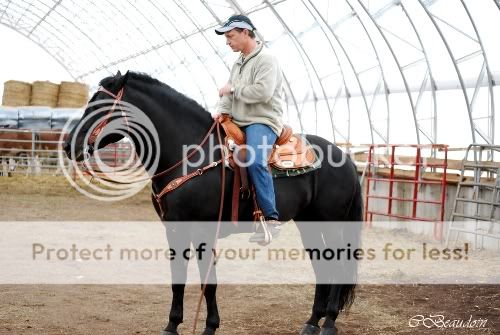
(178, 241)
(340, 236)
(332, 310)
(313, 241)
(311, 327)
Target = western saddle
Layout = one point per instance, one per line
(290, 152)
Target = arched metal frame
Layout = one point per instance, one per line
(432, 137)
(355, 73)
(406, 85)
(346, 89)
(303, 51)
(382, 74)
(56, 27)
(487, 137)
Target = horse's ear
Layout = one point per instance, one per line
(122, 80)
(118, 74)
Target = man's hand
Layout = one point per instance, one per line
(225, 90)
(220, 117)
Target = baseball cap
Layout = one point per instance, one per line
(235, 21)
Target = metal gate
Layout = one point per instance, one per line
(407, 169)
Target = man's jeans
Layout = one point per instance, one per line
(260, 140)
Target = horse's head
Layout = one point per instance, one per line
(103, 120)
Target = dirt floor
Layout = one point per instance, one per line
(264, 309)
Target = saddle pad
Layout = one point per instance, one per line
(280, 173)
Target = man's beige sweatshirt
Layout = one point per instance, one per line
(257, 81)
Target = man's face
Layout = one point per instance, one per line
(236, 40)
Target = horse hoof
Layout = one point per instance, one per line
(208, 331)
(164, 332)
(328, 331)
(310, 330)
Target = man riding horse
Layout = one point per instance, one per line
(253, 99)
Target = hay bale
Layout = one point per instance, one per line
(44, 93)
(73, 94)
(16, 93)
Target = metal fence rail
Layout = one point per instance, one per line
(36, 152)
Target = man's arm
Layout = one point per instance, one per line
(225, 104)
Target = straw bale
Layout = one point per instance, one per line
(16, 93)
(73, 94)
(44, 93)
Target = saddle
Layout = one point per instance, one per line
(290, 151)
(291, 155)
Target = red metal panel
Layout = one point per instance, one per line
(416, 181)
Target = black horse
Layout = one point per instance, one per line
(328, 196)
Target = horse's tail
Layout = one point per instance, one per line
(355, 212)
(352, 234)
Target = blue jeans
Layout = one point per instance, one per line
(260, 140)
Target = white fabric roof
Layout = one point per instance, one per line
(358, 71)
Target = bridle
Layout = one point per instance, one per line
(101, 125)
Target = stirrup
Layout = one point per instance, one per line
(263, 235)
(268, 237)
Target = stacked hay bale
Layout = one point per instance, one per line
(44, 93)
(72, 95)
(16, 93)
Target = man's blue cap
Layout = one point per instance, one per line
(235, 21)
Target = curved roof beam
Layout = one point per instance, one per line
(405, 82)
(301, 47)
(346, 90)
(491, 117)
(202, 32)
(432, 137)
(198, 56)
(351, 64)
(153, 48)
(459, 74)
(455, 61)
(44, 49)
(90, 39)
(385, 137)
(75, 50)
(56, 35)
(173, 51)
(112, 19)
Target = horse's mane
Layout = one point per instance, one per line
(183, 100)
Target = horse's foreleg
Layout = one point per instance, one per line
(213, 319)
(206, 265)
(178, 241)
(176, 310)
